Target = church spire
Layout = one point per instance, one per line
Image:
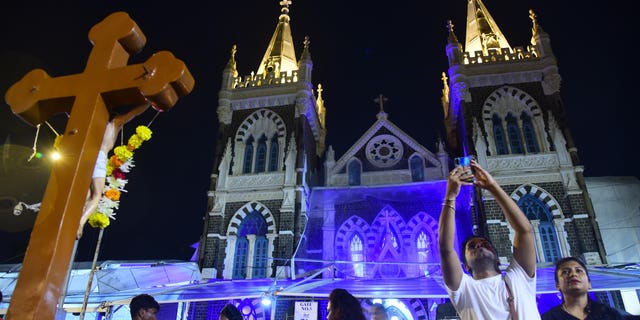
(483, 33)
(280, 55)
(539, 38)
(231, 64)
(320, 106)
(230, 72)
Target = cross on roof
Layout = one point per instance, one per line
(285, 6)
(380, 100)
(307, 41)
(450, 25)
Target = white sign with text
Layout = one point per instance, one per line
(306, 310)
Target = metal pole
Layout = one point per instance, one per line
(93, 270)
(60, 311)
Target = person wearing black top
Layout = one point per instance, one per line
(572, 280)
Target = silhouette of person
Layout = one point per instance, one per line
(343, 306)
(144, 307)
(378, 312)
(99, 175)
(230, 312)
(486, 293)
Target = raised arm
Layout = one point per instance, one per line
(115, 125)
(122, 119)
(449, 260)
(523, 245)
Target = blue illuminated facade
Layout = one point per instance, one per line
(284, 206)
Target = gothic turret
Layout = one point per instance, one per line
(539, 38)
(504, 107)
(483, 33)
(270, 137)
(305, 65)
(454, 47)
(280, 56)
(230, 71)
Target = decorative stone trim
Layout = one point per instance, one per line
(580, 216)
(255, 181)
(252, 195)
(518, 162)
(263, 121)
(237, 218)
(541, 194)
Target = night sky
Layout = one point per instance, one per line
(359, 49)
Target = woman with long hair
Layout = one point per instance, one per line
(344, 306)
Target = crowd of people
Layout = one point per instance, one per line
(480, 290)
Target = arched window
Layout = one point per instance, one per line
(535, 209)
(273, 154)
(549, 241)
(498, 136)
(248, 156)
(260, 258)
(514, 134)
(529, 132)
(261, 154)
(354, 170)
(399, 312)
(357, 255)
(423, 244)
(240, 260)
(417, 168)
(252, 224)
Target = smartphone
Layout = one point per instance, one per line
(465, 162)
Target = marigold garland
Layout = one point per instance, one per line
(118, 165)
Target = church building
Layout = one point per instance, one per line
(282, 204)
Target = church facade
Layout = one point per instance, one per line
(282, 204)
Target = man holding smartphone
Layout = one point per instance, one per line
(485, 293)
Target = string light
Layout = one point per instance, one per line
(35, 142)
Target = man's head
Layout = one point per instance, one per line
(230, 312)
(378, 312)
(572, 276)
(478, 250)
(144, 307)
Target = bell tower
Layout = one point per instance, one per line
(271, 134)
(503, 105)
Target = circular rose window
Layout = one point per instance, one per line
(384, 150)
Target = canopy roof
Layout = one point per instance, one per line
(180, 282)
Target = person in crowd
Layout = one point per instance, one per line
(485, 293)
(343, 306)
(573, 282)
(378, 312)
(230, 312)
(144, 307)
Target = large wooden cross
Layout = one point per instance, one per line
(106, 83)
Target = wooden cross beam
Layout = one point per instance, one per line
(106, 83)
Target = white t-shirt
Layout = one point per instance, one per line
(486, 299)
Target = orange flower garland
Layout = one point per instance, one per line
(120, 163)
